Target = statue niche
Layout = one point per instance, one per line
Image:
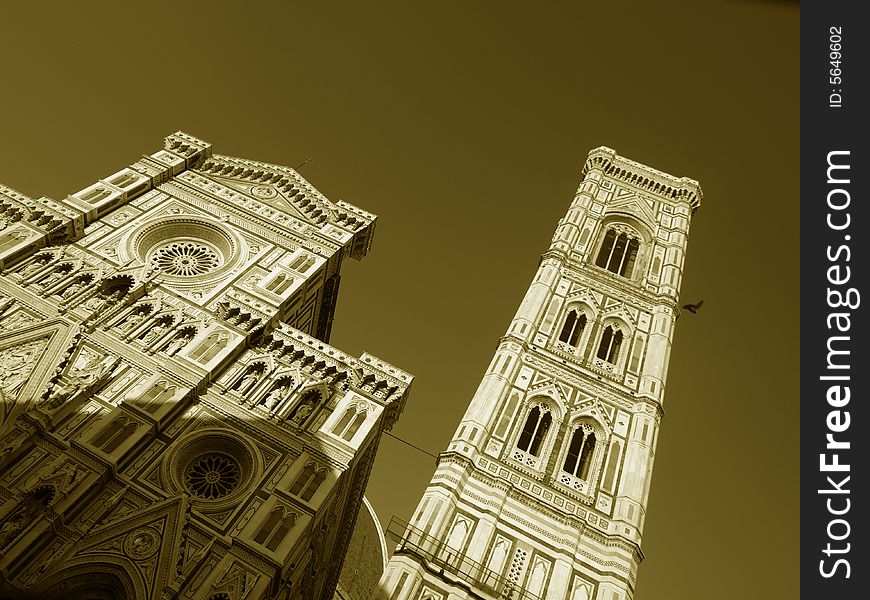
(179, 340)
(304, 409)
(39, 262)
(277, 394)
(249, 379)
(24, 515)
(158, 329)
(135, 318)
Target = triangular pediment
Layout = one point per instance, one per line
(284, 189)
(584, 296)
(28, 358)
(638, 207)
(597, 411)
(319, 386)
(237, 582)
(267, 194)
(617, 310)
(150, 539)
(553, 389)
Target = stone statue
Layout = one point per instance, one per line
(31, 268)
(153, 333)
(177, 343)
(12, 528)
(17, 523)
(51, 279)
(275, 396)
(95, 302)
(132, 321)
(10, 445)
(247, 381)
(14, 365)
(301, 413)
(62, 393)
(72, 290)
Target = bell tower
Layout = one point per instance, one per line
(542, 492)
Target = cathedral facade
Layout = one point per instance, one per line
(542, 492)
(173, 421)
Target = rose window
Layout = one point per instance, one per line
(213, 476)
(185, 259)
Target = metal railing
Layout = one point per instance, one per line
(443, 558)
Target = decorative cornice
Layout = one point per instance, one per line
(680, 189)
(304, 196)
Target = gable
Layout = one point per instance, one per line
(28, 358)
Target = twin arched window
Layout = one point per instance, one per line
(580, 453)
(573, 327)
(308, 481)
(275, 528)
(349, 423)
(537, 424)
(618, 252)
(581, 449)
(302, 263)
(611, 340)
(609, 344)
(114, 434)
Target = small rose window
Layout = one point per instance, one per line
(213, 476)
(185, 259)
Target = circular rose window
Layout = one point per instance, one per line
(216, 467)
(185, 259)
(187, 250)
(213, 476)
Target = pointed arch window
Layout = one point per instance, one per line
(302, 263)
(275, 528)
(575, 322)
(280, 284)
(308, 482)
(618, 252)
(276, 282)
(349, 423)
(534, 431)
(611, 340)
(580, 453)
(114, 434)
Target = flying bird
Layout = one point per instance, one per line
(693, 308)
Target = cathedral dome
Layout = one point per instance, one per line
(366, 558)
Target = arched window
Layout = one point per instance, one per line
(284, 286)
(275, 528)
(573, 327)
(276, 282)
(354, 425)
(618, 252)
(308, 482)
(302, 263)
(269, 524)
(24, 515)
(349, 423)
(536, 427)
(114, 434)
(281, 531)
(611, 340)
(154, 398)
(209, 347)
(580, 453)
(120, 437)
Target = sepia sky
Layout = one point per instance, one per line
(465, 127)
